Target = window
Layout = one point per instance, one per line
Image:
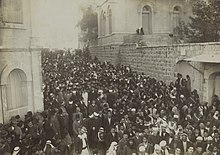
(176, 16)
(147, 20)
(104, 24)
(17, 89)
(12, 11)
(101, 23)
(110, 20)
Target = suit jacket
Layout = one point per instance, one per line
(108, 125)
(121, 145)
(129, 151)
(187, 145)
(137, 141)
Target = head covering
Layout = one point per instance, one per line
(84, 130)
(112, 147)
(91, 116)
(101, 129)
(133, 109)
(184, 134)
(199, 138)
(157, 147)
(181, 96)
(163, 143)
(141, 148)
(96, 114)
(48, 142)
(16, 150)
(209, 138)
(155, 129)
(175, 116)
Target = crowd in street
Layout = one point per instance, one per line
(93, 107)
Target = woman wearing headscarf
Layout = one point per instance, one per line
(81, 142)
(112, 149)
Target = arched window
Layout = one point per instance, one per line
(176, 16)
(12, 11)
(101, 23)
(147, 19)
(17, 89)
(104, 24)
(110, 20)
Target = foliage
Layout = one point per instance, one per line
(204, 24)
(89, 25)
(181, 33)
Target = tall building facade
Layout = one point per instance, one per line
(20, 61)
(118, 20)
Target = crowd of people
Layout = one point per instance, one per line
(93, 107)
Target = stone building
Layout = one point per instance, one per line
(20, 61)
(118, 20)
(159, 57)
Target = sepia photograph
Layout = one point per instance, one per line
(109, 77)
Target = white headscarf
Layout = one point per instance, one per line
(112, 149)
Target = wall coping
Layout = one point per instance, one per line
(193, 44)
(174, 45)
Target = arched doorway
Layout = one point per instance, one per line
(183, 67)
(16, 94)
(214, 85)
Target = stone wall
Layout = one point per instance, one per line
(160, 62)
